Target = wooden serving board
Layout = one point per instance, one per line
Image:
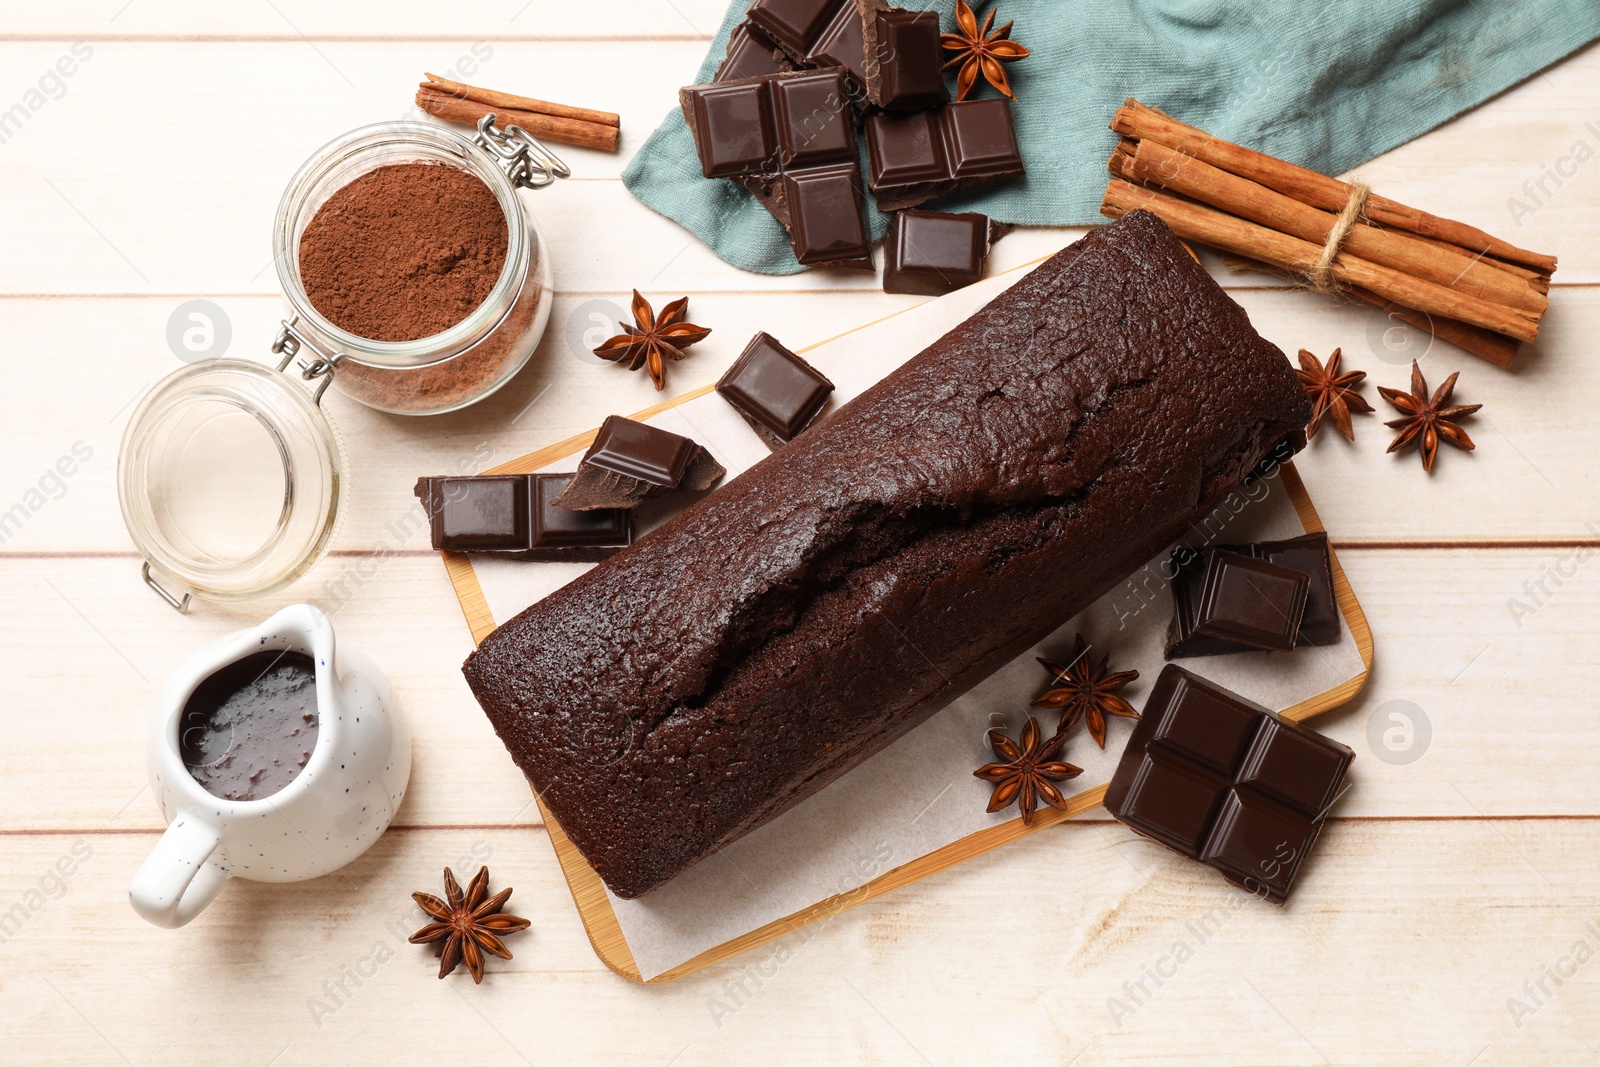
(588, 892)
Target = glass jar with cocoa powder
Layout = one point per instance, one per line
(417, 283)
(412, 266)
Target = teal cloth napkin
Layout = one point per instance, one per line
(1324, 83)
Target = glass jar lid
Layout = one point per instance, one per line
(229, 479)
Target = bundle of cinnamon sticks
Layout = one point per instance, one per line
(1465, 286)
(456, 101)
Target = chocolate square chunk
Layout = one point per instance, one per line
(1227, 782)
(825, 207)
(796, 24)
(915, 157)
(904, 59)
(511, 515)
(1258, 845)
(776, 391)
(1309, 555)
(813, 125)
(733, 128)
(1172, 801)
(1189, 571)
(642, 451)
(630, 462)
(750, 54)
(1319, 625)
(904, 151)
(980, 140)
(930, 253)
(791, 140)
(1251, 602)
(842, 43)
(564, 534)
(471, 514)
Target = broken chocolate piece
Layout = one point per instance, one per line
(750, 54)
(1308, 554)
(917, 156)
(511, 515)
(630, 462)
(818, 33)
(930, 253)
(1227, 782)
(1320, 624)
(482, 513)
(904, 57)
(791, 140)
(1251, 601)
(776, 391)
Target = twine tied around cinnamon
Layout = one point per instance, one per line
(1321, 274)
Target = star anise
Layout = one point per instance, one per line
(1025, 772)
(1085, 691)
(1428, 420)
(468, 924)
(1332, 394)
(980, 51)
(651, 341)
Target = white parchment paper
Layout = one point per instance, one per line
(918, 795)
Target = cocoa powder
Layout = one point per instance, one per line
(404, 252)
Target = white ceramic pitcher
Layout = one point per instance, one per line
(332, 812)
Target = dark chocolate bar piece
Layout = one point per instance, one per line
(1182, 641)
(1251, 601)
(631, 462)
(1227, 782)
(513, 515)
(481, 513)
(750, 54)
(931, 253)
(818, 33)
(776, 391)
(564, 534)
(917, 156)
(1308, 554)
(895, 54)
(790, 139)
(904, 59)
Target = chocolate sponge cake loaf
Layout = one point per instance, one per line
(814, 609)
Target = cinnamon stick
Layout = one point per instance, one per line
(1138, 121)
(497, 99)
(1501, 351)
(543, 125)
(1221, 230)
(1157, 164)
(1485, 344)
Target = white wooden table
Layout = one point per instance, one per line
(1450, 917)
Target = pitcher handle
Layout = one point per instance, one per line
(176, 883)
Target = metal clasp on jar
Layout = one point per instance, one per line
(290, 340)
(524, 158)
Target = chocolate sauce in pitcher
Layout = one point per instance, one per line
(248, 730)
